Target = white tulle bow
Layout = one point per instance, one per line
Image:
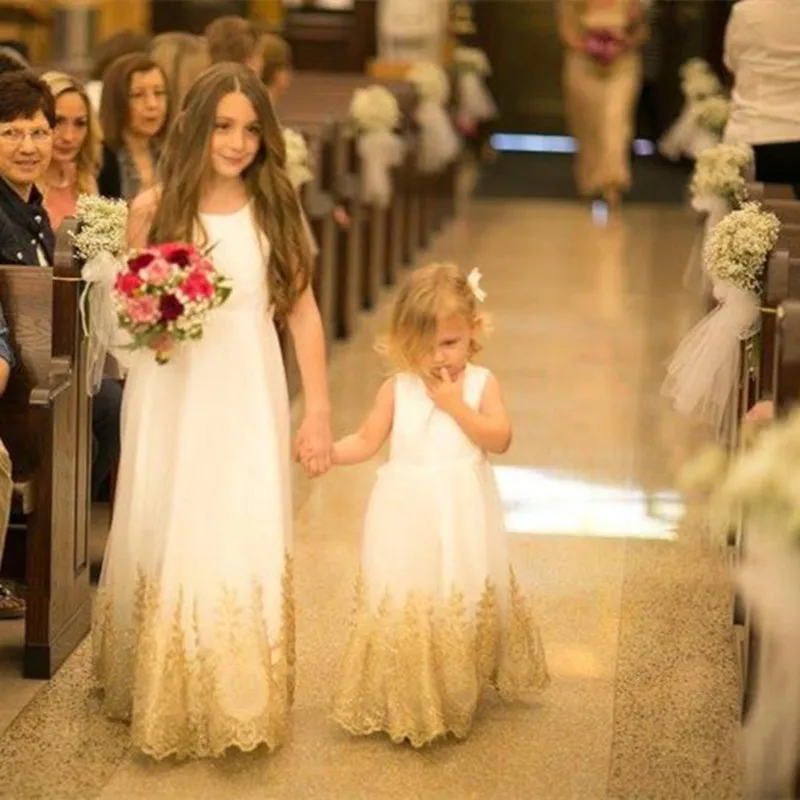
(98, 315)
(703, 375)
(380, 151)
(714, 208)
(475, 102)
(687, 137)
(439, 143)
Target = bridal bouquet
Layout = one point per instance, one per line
(163, 295)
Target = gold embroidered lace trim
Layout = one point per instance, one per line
(417, 672)
(179, 686)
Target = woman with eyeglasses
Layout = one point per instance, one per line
(134, 115)
(77, 148)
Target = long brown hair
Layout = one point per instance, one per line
(276, 210)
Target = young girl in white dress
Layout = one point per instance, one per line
(194, 625)
(440, 615)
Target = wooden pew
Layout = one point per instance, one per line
(45, 421)
(374, 249)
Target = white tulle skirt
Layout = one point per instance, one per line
(439, 613)
(194, 625)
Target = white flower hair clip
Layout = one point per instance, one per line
(474, 283)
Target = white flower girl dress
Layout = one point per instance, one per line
(440, 615)
(194, 623)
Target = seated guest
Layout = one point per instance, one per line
(277, 71)
(183, 57)
(12, 606)
(11, 60)
(77, 148)
(762, 50)
(134, 116)
(106, 53)
(27, 118)
(235, 39)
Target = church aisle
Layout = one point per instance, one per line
(635, 621)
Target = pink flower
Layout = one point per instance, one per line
(143, 310)
(197, 286)
(158, 273)
(128, 283)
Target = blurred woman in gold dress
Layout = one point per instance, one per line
(602, 80)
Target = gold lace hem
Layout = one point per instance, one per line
(192, 691)
(417, 672)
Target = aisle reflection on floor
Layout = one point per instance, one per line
(545, 502)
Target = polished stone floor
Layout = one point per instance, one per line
(634, 608)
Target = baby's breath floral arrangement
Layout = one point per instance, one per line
(375, 108)
(698, 80)
(720, 172)
(738, 246)
(760, 482)
(297, 159)
(472, 59)
(712, 113)
(102, 226)
(430, 81)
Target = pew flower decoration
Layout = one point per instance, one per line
(718, 186)
(99, 240)
(719, 174)
(704, 372)
(688, 136)
(163, 296)
(375, 114)
(439, 142)
(298, 162)
(759, 485)
(475, 102)
(712, 114)
(698, 80)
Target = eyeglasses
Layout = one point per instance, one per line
(15, 137)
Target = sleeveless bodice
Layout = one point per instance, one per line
(241, 252)
(422, 434)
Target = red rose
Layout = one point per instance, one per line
(171, 308)
(179, 254)
(128, 283)
(141, 261)
(197, 286)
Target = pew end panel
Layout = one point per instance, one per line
(51, 453)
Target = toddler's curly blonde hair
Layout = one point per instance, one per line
(429, 294)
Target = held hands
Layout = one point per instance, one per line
(446, 394)
(314, 445)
